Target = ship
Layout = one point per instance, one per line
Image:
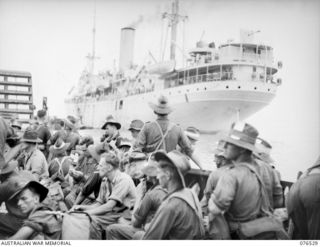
(215, 86)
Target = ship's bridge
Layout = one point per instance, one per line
(246, 52)
(231, 61)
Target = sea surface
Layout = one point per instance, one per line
(287, 154)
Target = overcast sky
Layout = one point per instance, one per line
(51, 39)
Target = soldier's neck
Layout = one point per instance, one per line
(244, 158)
(162, 117)
(173, 186)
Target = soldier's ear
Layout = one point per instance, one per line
(168, 174)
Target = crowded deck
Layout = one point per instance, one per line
(57, 184)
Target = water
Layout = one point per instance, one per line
(285, 154)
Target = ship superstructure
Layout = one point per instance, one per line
(217, 85)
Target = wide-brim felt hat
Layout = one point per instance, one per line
(86, 140)
(113, 121)
(150, 170)
(263, 150)
(137, 156)
(178, 161)
(59, 147)
(30, 136)
(96, 150)
(242, 135)
(16, 124)
(125, 142)
(23, 184)
(162, 106)
(136, 125)
(68, 123)
(192, 133)
(265, 157)
(9, 167)
(219, 148)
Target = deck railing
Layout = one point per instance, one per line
(217, 76)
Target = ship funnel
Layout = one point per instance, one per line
(126, 48)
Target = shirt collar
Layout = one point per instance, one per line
(116, 176)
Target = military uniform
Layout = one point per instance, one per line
(303, 205)
(238, 194)
(143, 215)
(121, 190)
(5, 132)
(178, 217)
(271, 183)
(150, 137)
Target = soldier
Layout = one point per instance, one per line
(269, 175)
(147, 203)
(303, 204)
(179, 216)
(72, 136)
(6, 131)
(41, 222)
(135, 128)
(35, 160)
(112, 135)
(163, 134)
(12, 220)
(43, 132)
(217, 227)
(240, 191)
(116, 196)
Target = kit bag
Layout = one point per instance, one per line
(265, 227)
(76, 226)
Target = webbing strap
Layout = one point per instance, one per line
(163, 136)
(265, 199)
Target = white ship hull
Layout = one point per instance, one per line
(209, 106)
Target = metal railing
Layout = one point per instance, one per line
(217, 76)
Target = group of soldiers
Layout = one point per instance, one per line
(137, 188)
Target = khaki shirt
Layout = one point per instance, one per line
(212, 182)
(238, 194)
(150, 137)
(5, 132)
(176, 219)
(37, 164)
(271, 183)
(150, 204)
(121, 190)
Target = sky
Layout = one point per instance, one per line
(51, 39)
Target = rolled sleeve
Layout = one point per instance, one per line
(120, 191)
(162, 222)
(225, 191)
(141, 142)
(185, 144)
(39, 165)
(143, 210)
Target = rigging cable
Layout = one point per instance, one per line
(165, 41)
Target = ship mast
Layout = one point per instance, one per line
(174, 19)
(92, 57)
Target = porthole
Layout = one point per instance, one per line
(205, 88)
(227, 87)
(255, 88)
(239, 87)
(268, 89)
